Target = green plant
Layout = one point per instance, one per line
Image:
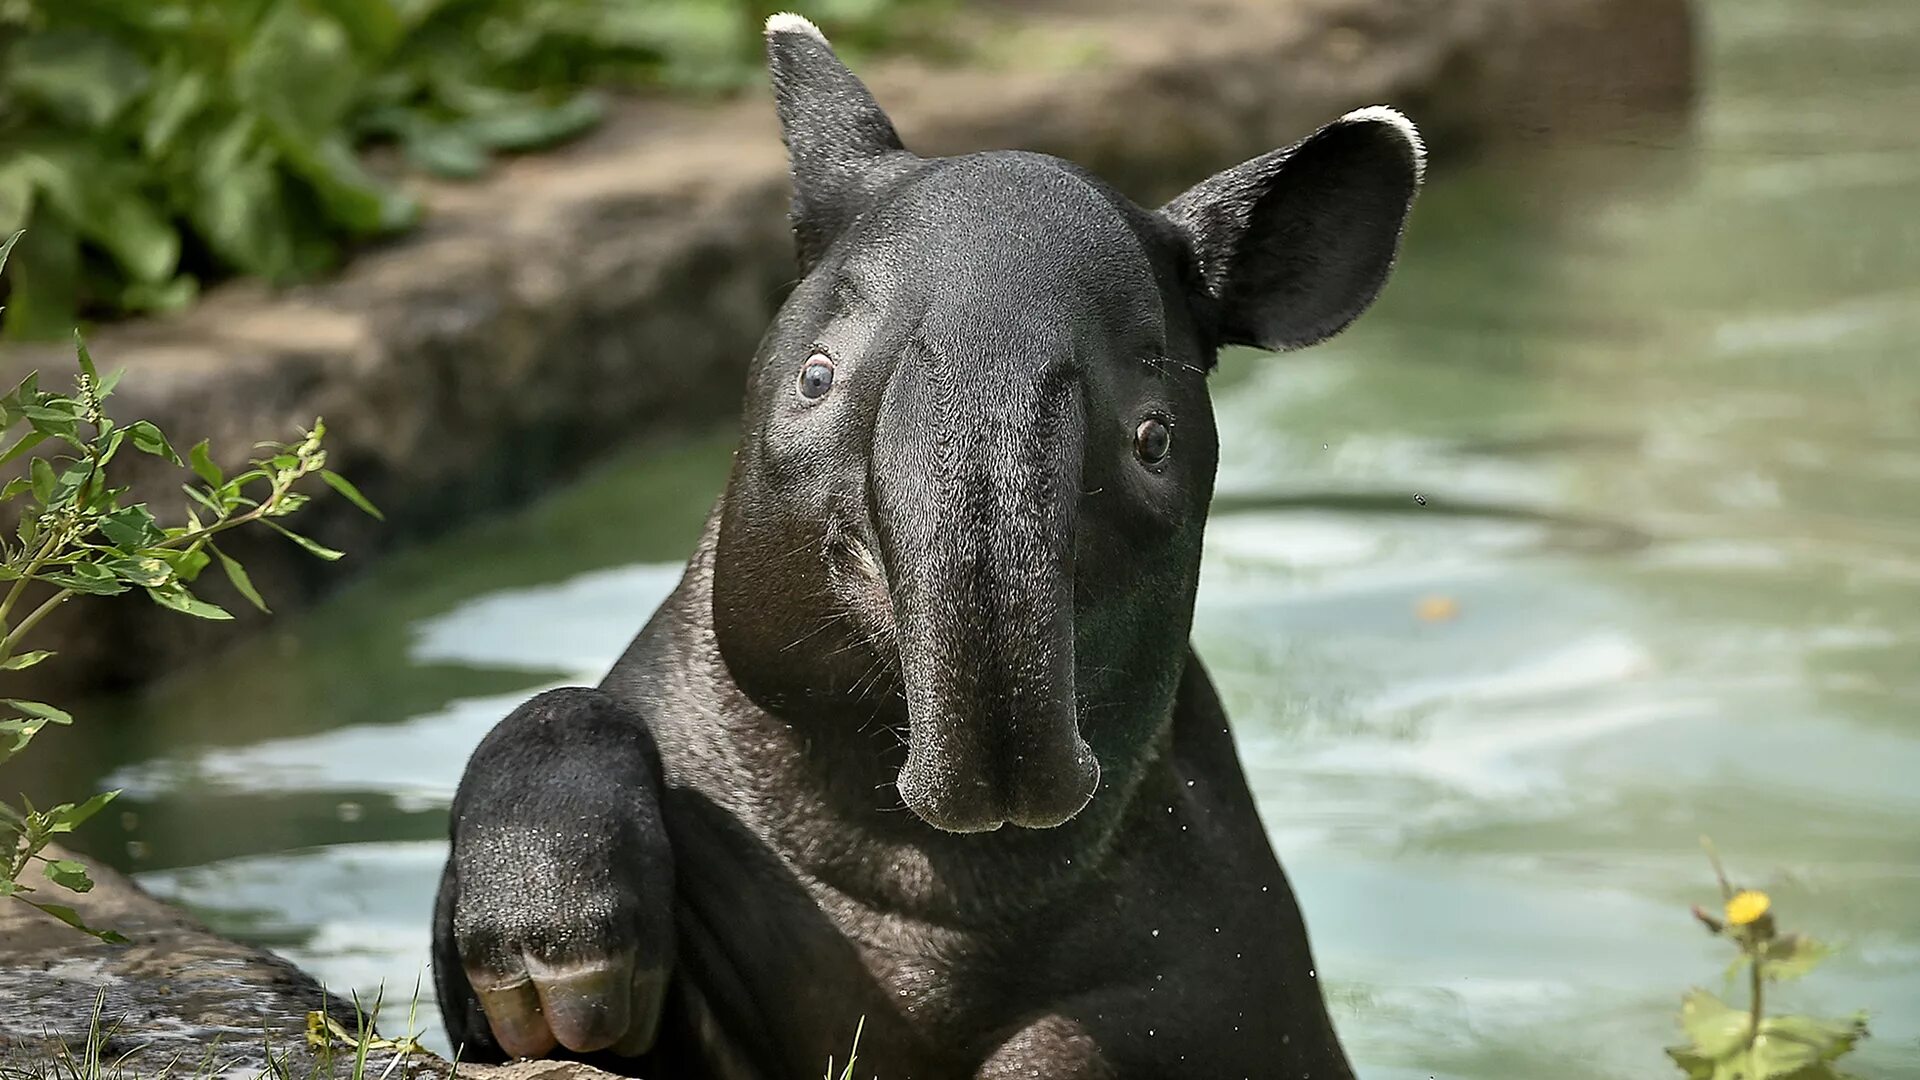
(1725, 1043)
(148, 145)
(853, 1054)
(78, 535)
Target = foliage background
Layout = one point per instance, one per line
(151, 146)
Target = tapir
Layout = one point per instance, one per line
(918, 748)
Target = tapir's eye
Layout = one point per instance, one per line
(1152, 440)
(817, 377)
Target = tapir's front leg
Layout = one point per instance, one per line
(554, 926)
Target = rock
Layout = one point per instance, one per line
(614, 290)
(176, 992)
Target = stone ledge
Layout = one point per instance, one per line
(177, 993)
(614, 290)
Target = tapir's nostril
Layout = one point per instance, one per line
(1056, 801)
(951, 804)
(1044, 786)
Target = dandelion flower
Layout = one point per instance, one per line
(1747, 907)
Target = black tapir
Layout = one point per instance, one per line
(919, 740)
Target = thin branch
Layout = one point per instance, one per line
(12, 641)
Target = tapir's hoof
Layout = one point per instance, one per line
(556, 911)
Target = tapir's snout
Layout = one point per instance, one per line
(973, 770)
(975, 510)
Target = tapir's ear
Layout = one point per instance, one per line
(1291, 247)
(840, 146)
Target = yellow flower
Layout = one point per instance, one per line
(1747, 908)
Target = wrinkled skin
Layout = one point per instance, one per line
(919, 739)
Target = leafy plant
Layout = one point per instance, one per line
(1725, 1043)
(155, 144)
(78, 535)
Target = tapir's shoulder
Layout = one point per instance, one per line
(1202, 738)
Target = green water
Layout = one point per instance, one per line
(1659, 396)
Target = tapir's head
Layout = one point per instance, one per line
(979, 448)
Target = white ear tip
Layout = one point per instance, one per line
(786, 22)
(1394, 118)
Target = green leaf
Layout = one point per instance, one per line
(25, 443)
(1716, 1028)
(239, 203)
(15, 734)
(145, 570)
(238, 575)
(68, 874)
(186, 564)
(179, 599)
(6, 247)
(132, 528)
(1693, 1063)
(43, 280)
(530, 125)
(354, 199)
(203, 465)
(40, 709)
(319, 550)
(87, 578)
(68, 817)
(141, 239)
(53, 411)
(172, 295)
(43, 481)
(72, 918)
(16, 204)
(1791, 956)
(110, 445)
(86, 358)
(148, 440)
(444, 150)
(22, 661)
(108, 200)
(203, 499)
(83, 78)
(297, 70)
(345, 487)
(374, 25)
(1787, 1044)
(180, 93)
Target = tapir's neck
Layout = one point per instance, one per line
(817, 788)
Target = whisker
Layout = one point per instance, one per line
(824, 624)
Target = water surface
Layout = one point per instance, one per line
(1658, 403)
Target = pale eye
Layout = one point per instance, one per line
(817, 377)
(1152, 440)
